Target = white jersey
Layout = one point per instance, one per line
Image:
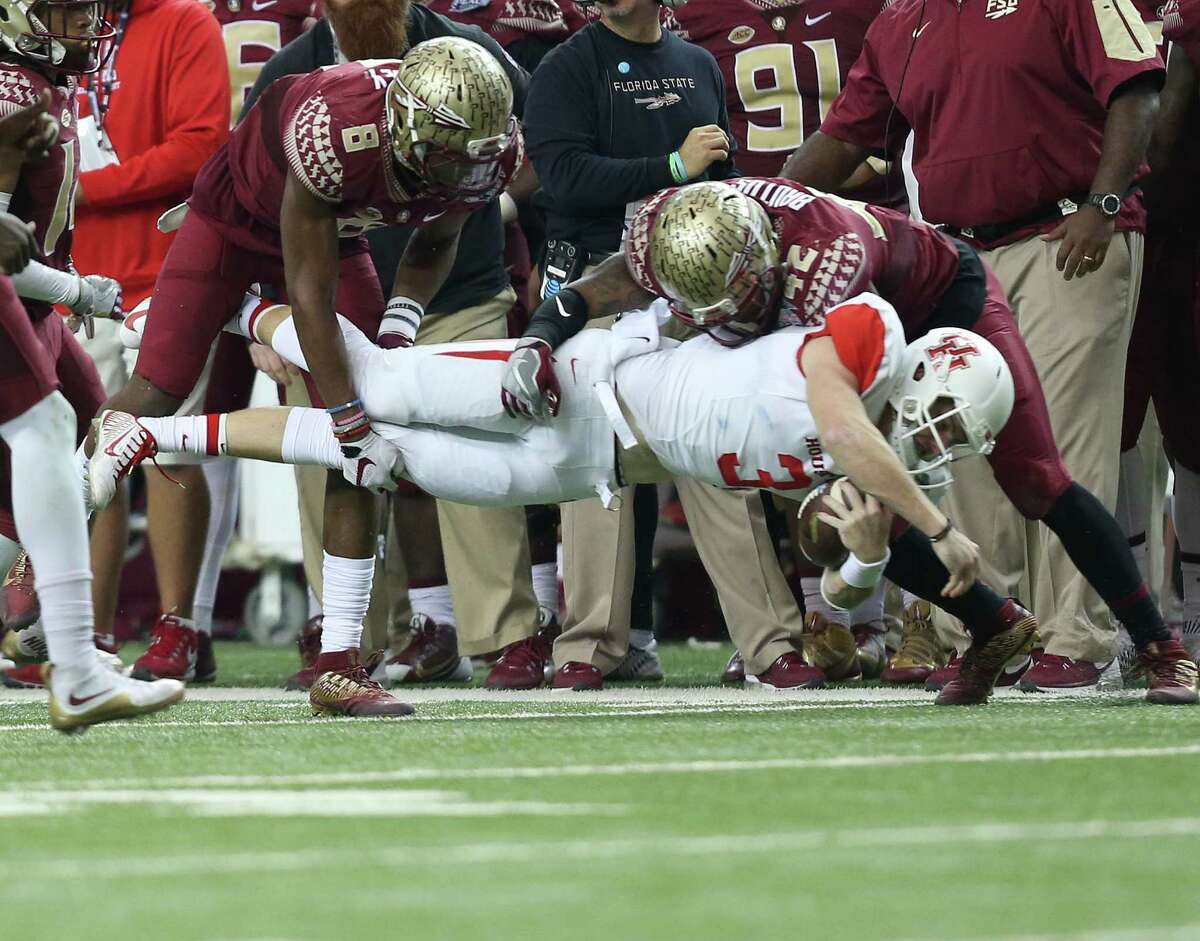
(740, 417)
(731, 417)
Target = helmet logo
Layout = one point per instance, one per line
(443, 116)
(953, 351)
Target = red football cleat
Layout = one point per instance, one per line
(525, 664)
(344, 688)
(309, 644)
(578, 677)
(20, 606)
(985, 660)
(1052, 672)
(788, 672)
(28, 676)
(172, 651)
(920, 650)
(106, 642)
(1173, 675)
(430, 656)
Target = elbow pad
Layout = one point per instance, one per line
(558, 318)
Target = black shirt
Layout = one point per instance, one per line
(478, 273)
(603, 115)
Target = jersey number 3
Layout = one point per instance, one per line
(797, 479)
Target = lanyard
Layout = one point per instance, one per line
(108, 75)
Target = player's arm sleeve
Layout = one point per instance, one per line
(310, 144)
(858, 335)
(195, 103)
(1108, 44)
(864, 113)
(561, 121)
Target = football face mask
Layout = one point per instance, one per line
(68, 35)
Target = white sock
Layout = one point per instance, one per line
(189, 434)
(545, 585)
(433, 602)
(870, 612)
(347, 596)
(308, 439)
(815, 601)
(222, 478)
(1186, 514)
(1131, 508)
(48, 509)
(641, 639)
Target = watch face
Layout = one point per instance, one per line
(1110, 204)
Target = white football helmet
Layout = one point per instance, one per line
(974, 386)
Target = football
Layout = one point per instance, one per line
(819, 541)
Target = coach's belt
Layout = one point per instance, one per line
(997, 232)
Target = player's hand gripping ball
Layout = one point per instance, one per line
(820, 542)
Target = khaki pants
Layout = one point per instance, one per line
(730, 531)
(486, 548)
(1078, 333)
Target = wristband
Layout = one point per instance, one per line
(352, 404)
(558, 318)
(678, 171)
(400, 323)
(351, 426)
(943, 532)
(859, 574)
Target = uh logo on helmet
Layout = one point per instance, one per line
(449, 111)
(66, 35)
(954, 396)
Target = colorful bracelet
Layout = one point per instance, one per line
(351, 425)
(678, 171)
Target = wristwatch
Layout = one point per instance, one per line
(1109, 204)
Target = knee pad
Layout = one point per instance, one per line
(47, 428)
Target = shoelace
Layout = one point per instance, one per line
(918, 646)
(131, 455)
(1169, 670)
(167, 640)
(525, 654)
(354, 682)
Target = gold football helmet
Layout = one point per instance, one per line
(711, 251)
(450, 113)
(66, 35)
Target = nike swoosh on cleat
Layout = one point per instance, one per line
(72, 700)
(814, 20)
(918, 32)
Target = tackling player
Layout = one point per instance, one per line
(38, 425)
(811, 399)
(741, 258)
(319, 160)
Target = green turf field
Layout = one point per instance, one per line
(641, 813)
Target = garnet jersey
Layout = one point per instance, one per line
(507, 20)
(834, 248)
(784, 61)
(327, 129)
(740, 418)
(45, 193)
(254, 31)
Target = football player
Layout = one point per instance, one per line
(44, 47)
(319, 160)
(805, 404)
(784, 255)
(39, 427)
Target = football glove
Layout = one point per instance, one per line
(529, 386)
(372, 462)
(98, 297)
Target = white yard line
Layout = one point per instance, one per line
(628, 697)
(1172, 933)
(943, 838)
(617, 769)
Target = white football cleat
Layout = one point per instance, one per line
(133, 327)
(122, 442)
(104, 697)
